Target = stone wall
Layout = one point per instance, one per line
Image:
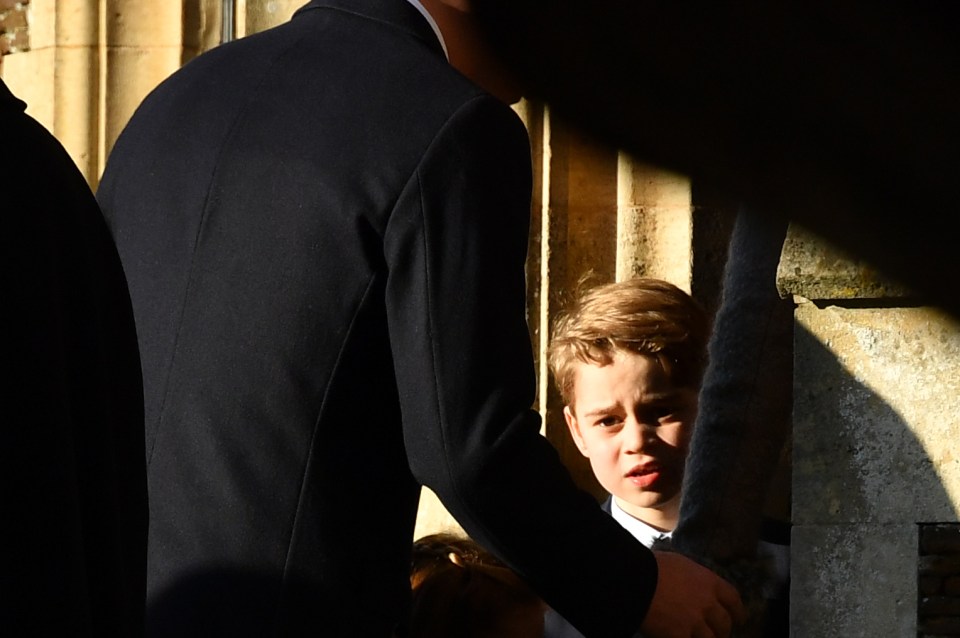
(876, 399)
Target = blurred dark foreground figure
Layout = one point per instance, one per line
(71, 460)
(840, 116)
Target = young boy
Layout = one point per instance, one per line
(628, 359)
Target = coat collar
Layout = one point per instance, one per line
(398, 14)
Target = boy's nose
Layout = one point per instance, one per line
(637, 435)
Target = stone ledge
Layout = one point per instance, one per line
(815, 270)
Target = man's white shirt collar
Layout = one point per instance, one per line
(433, 24)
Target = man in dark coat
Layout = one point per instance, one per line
(325, 227)
(72, 473)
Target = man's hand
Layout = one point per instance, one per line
(691, 601)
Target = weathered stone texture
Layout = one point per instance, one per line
(12, 19)
(855, 581)
(813, 269)
(654, 223)
(876, 397)
(14, 26)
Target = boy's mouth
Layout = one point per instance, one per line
(643, 476)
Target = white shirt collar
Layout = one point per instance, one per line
(433, 24)
(640, 530)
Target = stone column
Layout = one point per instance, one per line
(578, 237)
(654, 223)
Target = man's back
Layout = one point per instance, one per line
(324, 228)
(258, 284)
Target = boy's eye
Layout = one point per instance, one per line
(608, 421)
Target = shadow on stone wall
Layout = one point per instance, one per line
(862, 480)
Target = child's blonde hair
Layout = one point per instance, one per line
(642, 315)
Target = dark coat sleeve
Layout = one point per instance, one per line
(744, 417)
(456, 246)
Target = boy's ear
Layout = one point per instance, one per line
(574, 426)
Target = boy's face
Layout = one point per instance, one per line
(634, 425)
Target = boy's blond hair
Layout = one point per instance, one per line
(644, 316)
